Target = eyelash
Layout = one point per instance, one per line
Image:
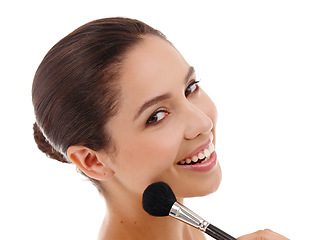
(154, 115)
(193, 83)
(150, 120)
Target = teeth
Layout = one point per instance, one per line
(201, 156)
(207, 153)
(194, 159)
(211, 148)
(205, 160)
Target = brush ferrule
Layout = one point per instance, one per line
(184, 214)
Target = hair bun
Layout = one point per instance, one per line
(45, 146)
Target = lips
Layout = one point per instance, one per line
(202, 159)
(202, 166)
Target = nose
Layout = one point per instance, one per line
(197, 121)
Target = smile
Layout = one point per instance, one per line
(200, 157)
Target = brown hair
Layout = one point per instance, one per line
(75, 89)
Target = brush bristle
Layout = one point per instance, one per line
(158, 199)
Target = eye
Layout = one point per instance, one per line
(156, 117)
(192, 87)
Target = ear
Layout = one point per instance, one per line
(92, 163)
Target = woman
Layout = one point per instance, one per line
(116, 99)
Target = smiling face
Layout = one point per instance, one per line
(165, 121)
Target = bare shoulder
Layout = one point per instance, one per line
(266, 234)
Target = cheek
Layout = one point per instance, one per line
(144, 159)
(156, 149)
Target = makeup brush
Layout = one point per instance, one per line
(159, 201)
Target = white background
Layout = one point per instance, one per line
(264, 63)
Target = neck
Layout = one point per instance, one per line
(126, 219)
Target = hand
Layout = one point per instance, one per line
(263, 235)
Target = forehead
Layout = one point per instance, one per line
(151, 67)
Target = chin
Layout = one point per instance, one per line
(199, 188)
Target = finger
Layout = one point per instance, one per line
(266, 234)
(278, 236)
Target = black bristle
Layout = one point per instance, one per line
(158, 199)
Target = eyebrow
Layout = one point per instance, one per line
(162, 97)
(190, 73)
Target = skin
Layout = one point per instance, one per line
(266, 234)
(183, 119)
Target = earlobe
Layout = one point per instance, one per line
(92, 163)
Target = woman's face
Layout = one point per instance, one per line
(164, 119)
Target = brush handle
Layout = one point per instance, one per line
(218, 233)
(184, 214)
